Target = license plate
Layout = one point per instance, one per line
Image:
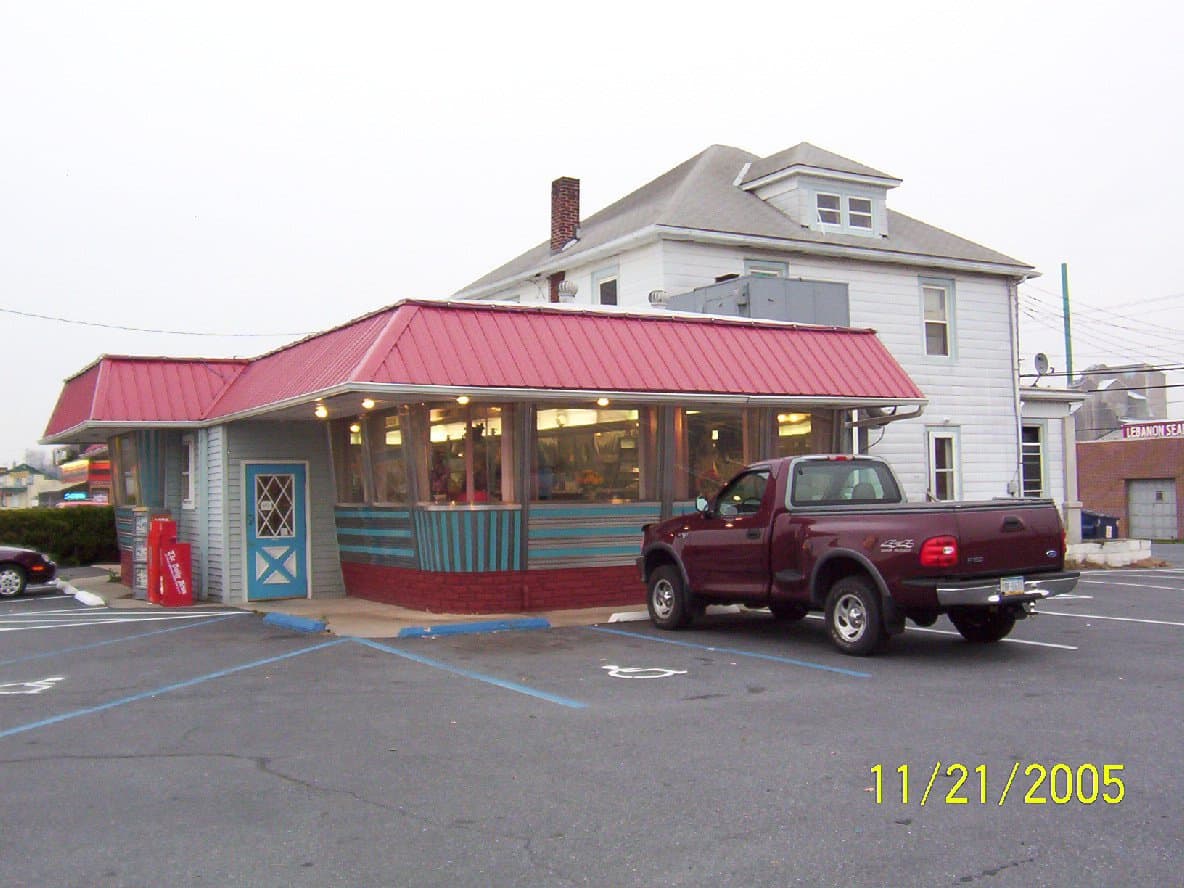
(1012, 586)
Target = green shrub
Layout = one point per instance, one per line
(82, 535)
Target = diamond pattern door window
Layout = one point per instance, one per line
(275, 506)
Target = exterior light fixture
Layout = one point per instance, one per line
(462, 400)
(602, 402)
(322, 411)
(567, 290)
(355, 427)
(367, 403)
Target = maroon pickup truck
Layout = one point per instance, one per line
(834, 533)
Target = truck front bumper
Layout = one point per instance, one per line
(983, 593)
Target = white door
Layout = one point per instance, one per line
(1152, 509)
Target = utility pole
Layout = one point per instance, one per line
(1068, 335)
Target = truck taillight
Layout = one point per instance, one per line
(939, 552)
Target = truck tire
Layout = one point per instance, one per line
(788, 611)
(12, 580)
(670, 604)
(853, 616)
(982, 625)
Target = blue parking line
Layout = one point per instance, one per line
(724, 650)
(90, 710)
(466, 673)
(87, 647)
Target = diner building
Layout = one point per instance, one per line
(462, 456)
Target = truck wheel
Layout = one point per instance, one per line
(12, 580)
(788, 611)
(982, 626)
(669, 603)
(853, 616)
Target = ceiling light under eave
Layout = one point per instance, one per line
(367, 403)
(602, 402)
(462, 400)
(321, 411)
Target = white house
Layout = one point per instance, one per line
(945, 307)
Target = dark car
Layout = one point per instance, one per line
(22, 569)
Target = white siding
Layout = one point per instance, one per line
(304, 441)
(973, 391)
(214, 485)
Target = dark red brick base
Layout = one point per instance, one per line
(495, 592)
(126, 574)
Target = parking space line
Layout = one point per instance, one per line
(477, 676)
(1047, 644)
(144, 695)
(96, 644)
(789, 661)
(1132, 585)
(1116, 619)
(95, 619)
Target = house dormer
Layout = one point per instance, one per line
(822, 191)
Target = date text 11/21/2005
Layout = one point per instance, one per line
(1059, 784)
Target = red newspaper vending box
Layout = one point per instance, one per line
(176, 574)
(161, 532)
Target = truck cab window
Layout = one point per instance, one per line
(745, 493)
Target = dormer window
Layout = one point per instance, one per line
(829, 212)
(845, 212)
(859, 213)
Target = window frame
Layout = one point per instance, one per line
(852, 213)
(188, 471)
(946, 286)
(1041, 449)
(837, 209)
(765, 268)
(604, 276)
(952, 434)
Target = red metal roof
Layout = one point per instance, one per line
(141, 390)
(422, 343)
(486, 345)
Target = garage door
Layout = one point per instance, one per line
(1152, 507)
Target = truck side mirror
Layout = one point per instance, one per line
(701, 503)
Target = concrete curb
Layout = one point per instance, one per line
(479, 626)
(298, 624)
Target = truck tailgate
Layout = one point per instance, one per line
(1010, 537)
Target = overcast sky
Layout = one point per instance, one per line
(279, 168)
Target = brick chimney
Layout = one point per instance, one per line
(565, 212)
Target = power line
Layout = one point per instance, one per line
(41, 317)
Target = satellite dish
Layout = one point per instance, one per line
(1041, 363)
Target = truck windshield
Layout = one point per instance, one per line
(837, 482)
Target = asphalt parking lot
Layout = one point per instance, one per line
(205, 746)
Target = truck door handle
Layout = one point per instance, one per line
(1012, 524)
(753, 533)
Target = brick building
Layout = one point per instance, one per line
(1138, 477)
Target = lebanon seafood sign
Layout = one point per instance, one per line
(1154, 430)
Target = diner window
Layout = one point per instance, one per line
(797, 433)
(829, 209)
(346, 438)
(711, 450)
(465, 464)
(937, 302)
(1032, 460)
(188, 471)
(943, 464)
(387, 458)
(126, 467)
(598, 454)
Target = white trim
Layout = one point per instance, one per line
(189, 460)
(802, 169)
(242, 506)
(952, 434)
(698, 235)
